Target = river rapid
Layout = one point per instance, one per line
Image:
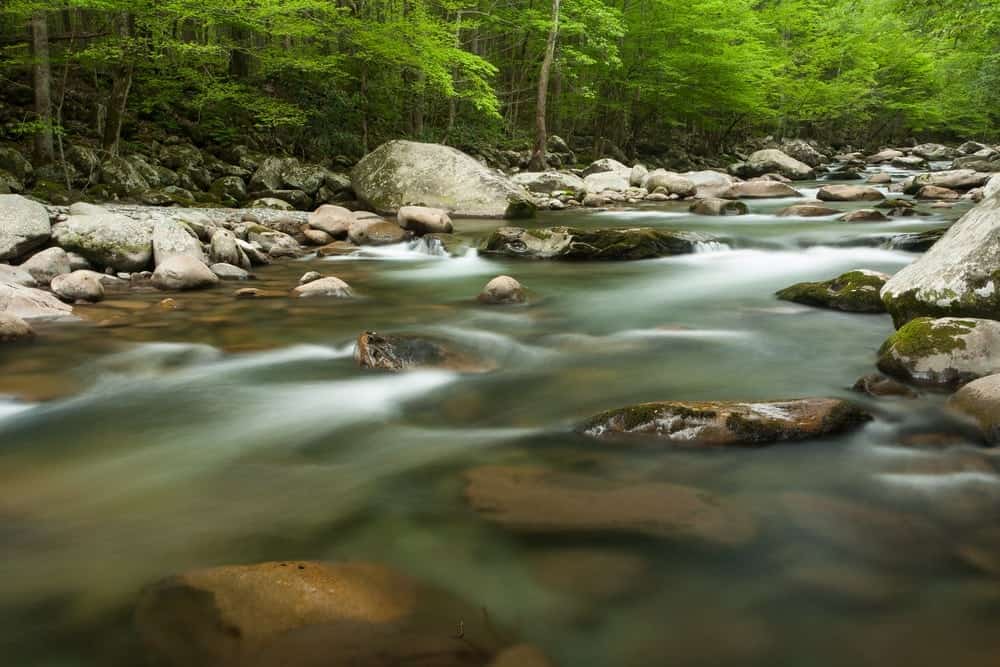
(143, 441)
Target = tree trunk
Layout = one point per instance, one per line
(120, 89)
(538, 155)
(42, 74)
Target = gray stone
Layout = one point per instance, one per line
(759, 190)
(47, 264)
(24, 226)
(325, 287)
(980, 401)
(13, 328)
(183, 272)
(547, 182)
(17, 276)
(673, 184)
(30, 303)
(334, 220)
(502, 290)
(849, 193)
(771, 160)
(171, 238)
(424, 220)
(590, 244)
(107, 240)
(944, 352)
(78, 286)
(230, 272)
(225, 249)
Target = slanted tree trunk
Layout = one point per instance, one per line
(42, 75)
(120, 88)
(538, 155)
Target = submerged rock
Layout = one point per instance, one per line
(309, 614)
(727, 423)
(849, 193)
(854, 292)
(502, 290)
(399, 173)
(958, 276)
(13, 328)
(590, 244)
(406, 351)
(944, 352)
(24, 226)
(980, 401)
(878, 385)
(535, 500)
(916, 241)
(719, 207)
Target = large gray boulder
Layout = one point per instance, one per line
(803, 151)
(759, 190)
(225, 249)
(670, 183)
(944, 352)
(171, 238)
(606, 181)
(773, 161)
(608, 165)
(183, 272)
(124, 177)
(30, 303)
(959, 275)
(79, 286)
(107, 240)
(24, 225)
(47, 264)
(400, 173)
(955, 179)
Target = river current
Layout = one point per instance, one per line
(143, 441)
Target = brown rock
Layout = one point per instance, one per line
(808, 211)
(502, 290)
(849, 193)
(405, 352)
(864, 215)
(880, 386)
(13, 328)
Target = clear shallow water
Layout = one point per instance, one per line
(241, 430)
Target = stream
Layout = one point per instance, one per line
(143, 441)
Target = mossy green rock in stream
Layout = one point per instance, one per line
(402, 173)
(727, 423)
(590, 244)
(959, 276)
(854, 292)
(945, 352)
(310, 614)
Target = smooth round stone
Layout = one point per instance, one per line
(502, 290)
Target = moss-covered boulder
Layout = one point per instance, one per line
(945, 352)
(534, 500)
(590, 244)
(310, 614)
(401, 173)
(959, 276)
(854, 292)
(727, 423)
(980, 401)
(107, 239)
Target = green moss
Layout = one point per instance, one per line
(854, 291)
(924, 337)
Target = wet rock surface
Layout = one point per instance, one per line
(401, 352)
(589, 244)
(854, 292)
(945, 352)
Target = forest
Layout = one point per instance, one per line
(319, 78)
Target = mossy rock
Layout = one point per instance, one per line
(854, 292)
(727, 423)
(590, 244)
(945, 352)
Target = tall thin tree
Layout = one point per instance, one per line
(541, 136)
(41, 71)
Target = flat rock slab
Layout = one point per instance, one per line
(728, 423)
(535, 500)
(590, 244)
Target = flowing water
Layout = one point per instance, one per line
(143, 441)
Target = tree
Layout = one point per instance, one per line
(42, 84)
(541, 137)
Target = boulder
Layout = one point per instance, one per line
(16, 275)
(727, 423)
(936, 192)
(253, 252)
(885, 155)
(30, 303)
(880, 178)
(407, 351)
(316, 237)
(608, 165)
(423, 220)
(181, 156)
(336, 248)
(334, 220)
(78, 286)
(225, 249)
(534, 500)
(230, 272)
(808, 211)
(771, 160)
(47, 264)
(955, 179)
(502, 290)
(24, 226)
(400, 173)
(124, 177)
(171, 238)
(325, 287)
(945, 352)
(183, 272)
(309, 614)
(933, 152)
(709, 183)
(590, 244)
(376, 232)
(310, 276)
(15, 164)
(854, 292)
(849, 193)
(863, 215)
(272, 203)
(638, 175)
(971, 147)
(803, 151)
(909, 162)
(548, 182)
(230, 190)
(980, 401)
(672, 184)
(957, 276)
(719, 207)
(274, 243)
(916, 241)
(107, 240)
(269, 174)
(759, 190)
(13, 328)
(606, 181)
(877, 385)
(296, 199)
